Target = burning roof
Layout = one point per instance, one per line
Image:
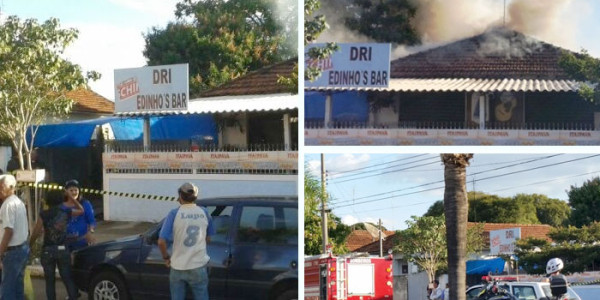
(498, 53)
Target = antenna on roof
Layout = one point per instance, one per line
(504, 18)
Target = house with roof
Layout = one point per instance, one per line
(237, 139)
(406, 274)
(500, 87)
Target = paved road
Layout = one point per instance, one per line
(39, 288)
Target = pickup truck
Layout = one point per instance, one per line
(524, 290)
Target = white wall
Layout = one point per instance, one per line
(210, 185)
(5, 155)
(233, 136)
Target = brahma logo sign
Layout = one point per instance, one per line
(128, 88)
(503, 241)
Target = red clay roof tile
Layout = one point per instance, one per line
(258, 82)
(496, 54)
(89, 101)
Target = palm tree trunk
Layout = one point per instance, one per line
(456, 209)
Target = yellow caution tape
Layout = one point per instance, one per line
(46, 186)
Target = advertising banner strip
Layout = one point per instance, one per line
(353, 65)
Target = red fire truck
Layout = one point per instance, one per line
(355, 276)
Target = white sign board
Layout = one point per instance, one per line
(503, 241)
(361, 279)
(353, 65)
(156, 88)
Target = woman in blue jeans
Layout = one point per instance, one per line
(53, 223)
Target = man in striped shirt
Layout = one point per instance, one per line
(189, 228)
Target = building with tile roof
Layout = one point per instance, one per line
(497, 88)
(89, 105)
(362, 241)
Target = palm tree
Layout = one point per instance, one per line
(456, 207)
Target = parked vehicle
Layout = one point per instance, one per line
(355, 276)
(254, 255)
(523, 290)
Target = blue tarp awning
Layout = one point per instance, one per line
(484, 266)
(172, 127)
(351, 106)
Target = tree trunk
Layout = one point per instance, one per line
(456, 209)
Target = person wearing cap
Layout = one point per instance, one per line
(14, 249)
(52, 222)
(189, 228)
(80, 228)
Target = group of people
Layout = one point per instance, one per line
(438, 293)
(67, 224)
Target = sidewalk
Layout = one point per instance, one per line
(105, 231)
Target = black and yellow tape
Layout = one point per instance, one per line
(46, 186)
(586, 283)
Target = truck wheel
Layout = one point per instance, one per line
(291, 294)
(107, 285)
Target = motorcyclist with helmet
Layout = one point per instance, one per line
(558, 282)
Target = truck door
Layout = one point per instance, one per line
(323, 281)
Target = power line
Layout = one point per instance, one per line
(436, 161)
(440, 181)
(481, 179)
(372, 166)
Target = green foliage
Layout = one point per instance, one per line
(361, 226)
(520, 209)
(313, 27)
(34, 79)
(436, 209)
(577, 258)
(338, 232)
(584, 68)
(587, 234)
(424, 242)
(585, 203)
(575, 246)
(224, 39)
(385, 21)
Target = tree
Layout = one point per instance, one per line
(385, 21)
(519, 209)
(424, 243)
(34, 79)
(585, 202)
(584, 68)
(338, 232)
(456, 207)
(313, 27)
(224, 39)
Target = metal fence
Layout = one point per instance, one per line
(190, 146)
(575, 126)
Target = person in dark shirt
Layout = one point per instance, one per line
(52, 222)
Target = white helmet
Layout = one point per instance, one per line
(554, 265)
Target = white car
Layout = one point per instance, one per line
(524, 290)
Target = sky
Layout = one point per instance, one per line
(110, 31)
(394, 187)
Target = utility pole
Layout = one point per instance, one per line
(380, 240)
(323, 204)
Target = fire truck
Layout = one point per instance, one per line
(355, 276)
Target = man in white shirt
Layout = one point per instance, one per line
(437, 292)
(14, 249)
(189, 228)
